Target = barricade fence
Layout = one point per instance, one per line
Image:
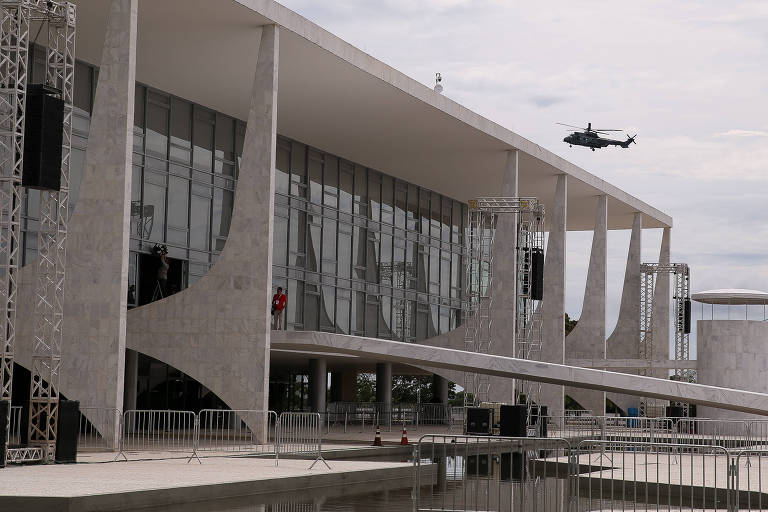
(366, 416)
(237, 431)
(455, 472)
(492, 473)
(99, 429)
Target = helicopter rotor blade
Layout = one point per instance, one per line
(571, 126)
(605, 130)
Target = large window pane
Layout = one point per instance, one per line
(313, 243)
(181, 130)
(298, 169)
(374, 195)
(222, 216)
(342, 310)
(282, 167)
(225, 138)
(361, 191)
(328, 313)
(387, 199)
(315, 177)
(346, 179)
(329, 246)
(154, 205)
(296, 240)
(178, 202)
(280, 241)
(344, 267)
(202, 154)
(311, 308)
(331, 183)
(295, 307)
(157, 126)
(200, 221)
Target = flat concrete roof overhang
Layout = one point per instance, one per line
(341, 100)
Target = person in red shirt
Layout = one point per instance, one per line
(279, 301)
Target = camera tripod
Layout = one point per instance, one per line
(158, 293)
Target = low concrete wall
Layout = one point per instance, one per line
(732, 354)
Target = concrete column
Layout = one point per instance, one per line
(384, 383)
(624, 341)
(344, 386)
(504, 283)
(131, 379)
(96, 288)
(587, 340)
(439, 389)
(661, 315)
(553, 304)
(218, 330)
(318, 384)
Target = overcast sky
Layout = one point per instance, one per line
(690, 77)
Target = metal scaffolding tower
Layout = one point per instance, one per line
(481, 232)
(19, 17)
(682, 297)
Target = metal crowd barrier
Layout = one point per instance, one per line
(369, 415)
(236, 431)
(620, 475)
(99, 428)
(491, 473)
(300, 433)
(730, 434)
(159, 431)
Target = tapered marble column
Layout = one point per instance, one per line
(553, 304)
(624, 341)
(505, 283)
(587, 340)
(662, 308)
(96, 288)
(218, 330)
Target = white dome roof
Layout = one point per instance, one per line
(735, 296)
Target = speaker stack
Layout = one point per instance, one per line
(5, 409)
(43, 130)
(479, 421)
(68, 430)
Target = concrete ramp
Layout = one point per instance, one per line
(601, 380)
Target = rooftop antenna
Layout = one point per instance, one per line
(438, 87)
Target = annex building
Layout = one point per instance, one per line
(264, 151)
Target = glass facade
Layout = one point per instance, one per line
(359, 252)
(362, 253)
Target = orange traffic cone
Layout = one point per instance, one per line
(377, 439)
(404, 439)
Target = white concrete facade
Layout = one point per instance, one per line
(218, 330)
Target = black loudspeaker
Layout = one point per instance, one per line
(674, 411)
(687, 316)
(5, 409)
(68, 430)
(537, 274)
(479, 420)
(513, 421)
(43, 129)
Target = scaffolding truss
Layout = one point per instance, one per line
(481, 233)
(58, 19)
(681, 295)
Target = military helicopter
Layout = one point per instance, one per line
(590, 138)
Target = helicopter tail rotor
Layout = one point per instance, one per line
(630, 140)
